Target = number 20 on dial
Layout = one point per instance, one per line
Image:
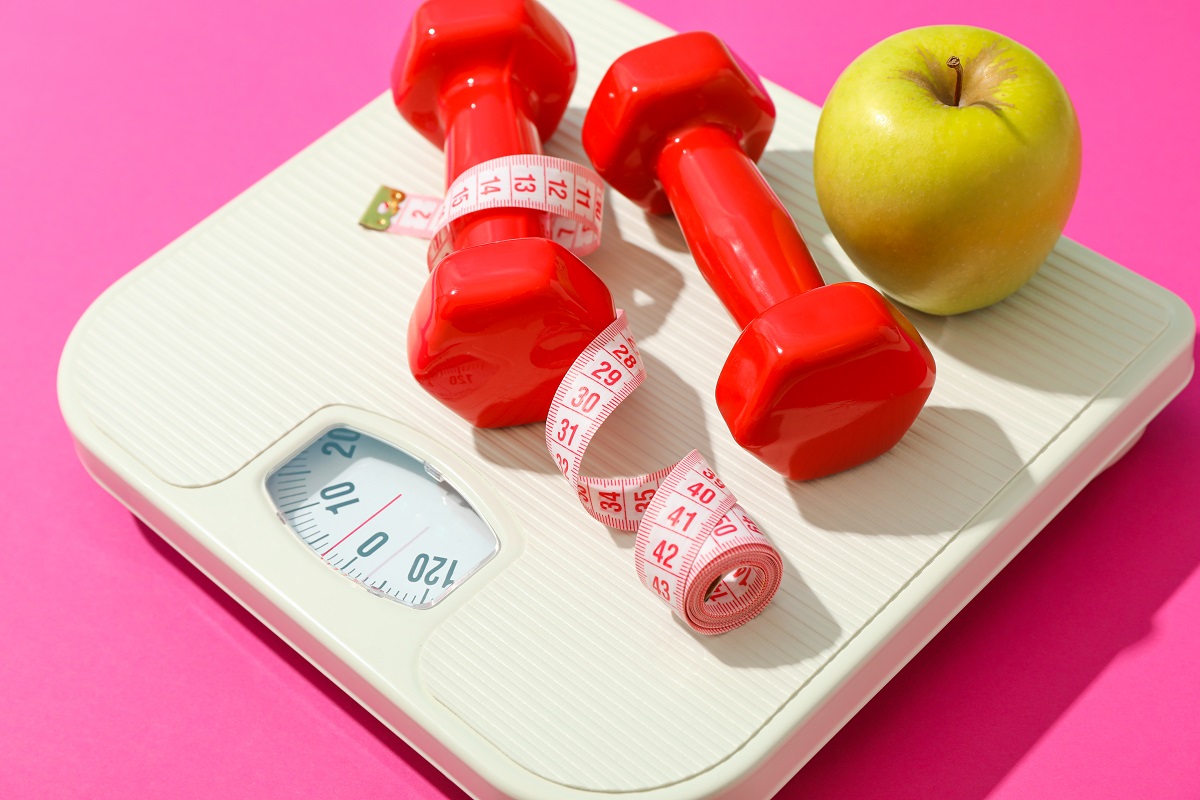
(381, 518)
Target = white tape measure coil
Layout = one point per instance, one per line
(696, 548)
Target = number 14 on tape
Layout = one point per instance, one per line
(696, 548)
(571, 195)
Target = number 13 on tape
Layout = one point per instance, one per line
(572, 196)
(696, 548)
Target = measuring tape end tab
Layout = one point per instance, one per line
(569, 193)
(383, 208)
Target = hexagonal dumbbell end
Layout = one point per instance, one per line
(503, 316)
(822, 378)
(457, 43)
(652, 92)
(497, 326)
(825, 381)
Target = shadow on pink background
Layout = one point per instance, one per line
(124, 673)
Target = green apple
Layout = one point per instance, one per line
(946, 163)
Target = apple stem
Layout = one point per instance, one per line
(956, 65)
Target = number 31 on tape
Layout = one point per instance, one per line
(696, 548)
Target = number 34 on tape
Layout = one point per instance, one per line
(696, 548)
(572, 196)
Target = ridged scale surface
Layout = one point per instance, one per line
(279, 305)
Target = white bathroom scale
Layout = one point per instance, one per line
(245, 392)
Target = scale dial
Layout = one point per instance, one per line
(381, 517)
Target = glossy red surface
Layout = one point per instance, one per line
(823, 378)
(496, 353)
(825, 381)
(652, 93)
(451, 42)
(487, 79)
(742, 238)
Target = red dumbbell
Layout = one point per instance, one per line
(501, 317)
(822, 378)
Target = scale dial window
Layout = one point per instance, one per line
(381, 518)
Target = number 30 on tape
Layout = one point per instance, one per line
(696, 548)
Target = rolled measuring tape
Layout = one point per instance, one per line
(696, 548)
(571, 194)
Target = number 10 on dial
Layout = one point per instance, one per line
(381, 518)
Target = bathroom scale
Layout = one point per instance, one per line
(245, 392)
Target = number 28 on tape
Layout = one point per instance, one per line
(696, 548)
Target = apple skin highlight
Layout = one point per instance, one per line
(947, 208)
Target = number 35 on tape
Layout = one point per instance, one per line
(696, 548)
(572, 195)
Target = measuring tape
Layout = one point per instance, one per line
(696, 548)
(571, 194)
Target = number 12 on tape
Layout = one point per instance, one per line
(571, 195)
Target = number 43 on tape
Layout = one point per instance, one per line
(696, 548)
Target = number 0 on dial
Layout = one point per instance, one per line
(381, 517)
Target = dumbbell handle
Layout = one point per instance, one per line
(483, 121)
(741, 236)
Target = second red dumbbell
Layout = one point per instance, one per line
(822, 378)
(502, 317)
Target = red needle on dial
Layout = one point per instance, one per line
(364, 522)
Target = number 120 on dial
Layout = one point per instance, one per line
(380, 517)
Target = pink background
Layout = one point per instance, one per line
(123, 672)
